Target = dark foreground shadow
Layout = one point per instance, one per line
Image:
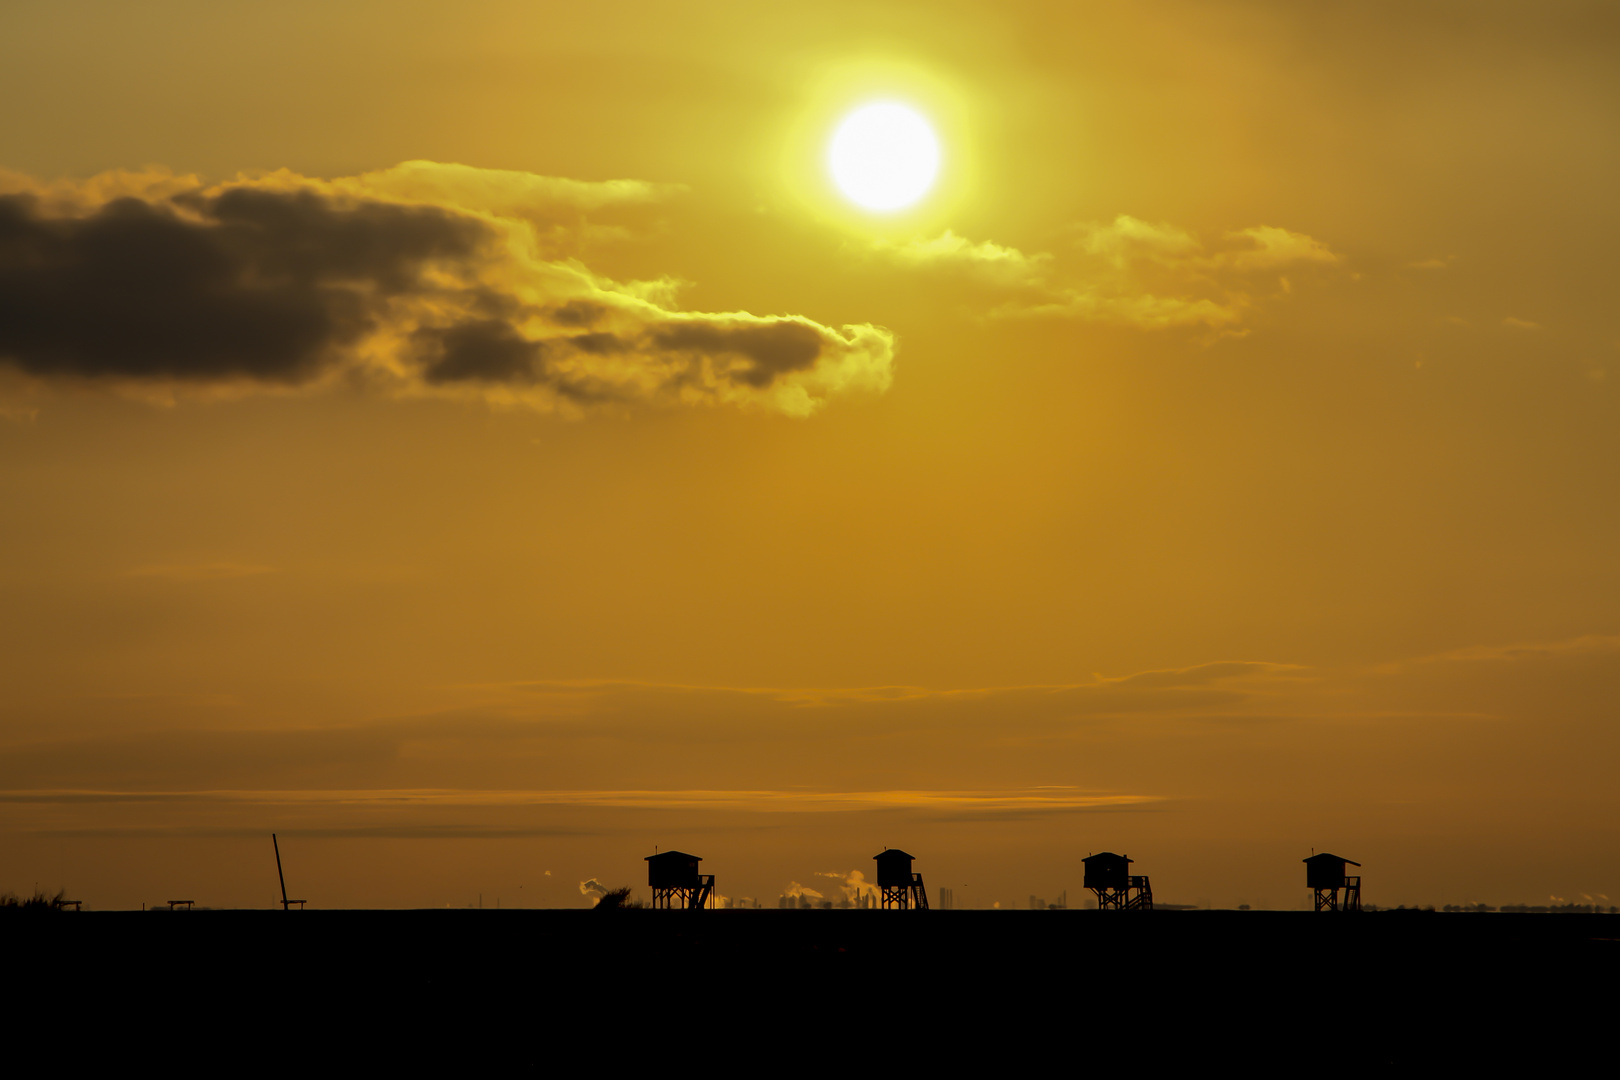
(971, 992)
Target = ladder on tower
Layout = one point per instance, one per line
(703, 893)
(919, 895)
(1143, 890)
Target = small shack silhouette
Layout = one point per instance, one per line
(1325, 876)
(1109, 877)
(898, 886)
(676, 883)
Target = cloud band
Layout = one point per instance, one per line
(425, 279)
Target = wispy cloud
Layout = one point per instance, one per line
(985, 259)
(1266, 247)
(506, 731)
(1204, 674)
(448, 814)
(729, 801)
(1584, 645)
(1129, 271)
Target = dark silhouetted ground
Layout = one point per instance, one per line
(767, 992)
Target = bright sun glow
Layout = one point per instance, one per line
(884, 156)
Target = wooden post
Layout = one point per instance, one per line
(279, 876)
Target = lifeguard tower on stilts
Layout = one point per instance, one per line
(898, 887)
(676, 884)
(1109, 877)
(1325, 876)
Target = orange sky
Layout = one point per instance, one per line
(478, 443)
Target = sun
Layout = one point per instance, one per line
(884, 156)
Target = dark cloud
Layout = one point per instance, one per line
(248, 284)
(599, 344)
(772, 348)
(485, 351)
(307, 237)
(423, 279)
(577, 313)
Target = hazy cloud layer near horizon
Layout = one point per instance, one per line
(606, 743)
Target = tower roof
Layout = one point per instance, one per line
(1324, 855)
(673, 856)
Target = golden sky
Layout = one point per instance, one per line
(478, 442)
